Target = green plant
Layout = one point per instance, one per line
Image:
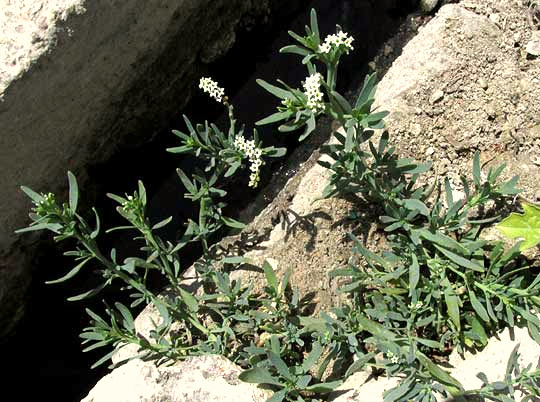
(525, 225)
(438, 286)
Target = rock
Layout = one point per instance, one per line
(533, 46)
(198, 379)
(360, 387)
(483, 83)
(79, 77)
(428, 6)
(496, 19)
(436, 96)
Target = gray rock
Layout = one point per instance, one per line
(198, 379)
(533, 46)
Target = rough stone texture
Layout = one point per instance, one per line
(491, 361)
(198, 379)
(451, 54)
(77, 77)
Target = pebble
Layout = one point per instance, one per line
(430, 151)
(436, 96)
(416, 129)
(388, 50)
(483, 83)
(533, 47)
(469, 5)
(496, 19)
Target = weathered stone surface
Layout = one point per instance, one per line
(491, 361)
(77, 77)
(198, 379)
(533, 46)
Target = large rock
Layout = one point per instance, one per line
(77, 77)
(198, 379)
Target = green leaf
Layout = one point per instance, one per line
(234, 260)
(312, 358)
(324, 387)
(103, 359)
(509, 187)
(87, 294)
(396, 393)
(314, 25)
(190, 300)
(454, 386)
(274, 118)
(70, 274)
(478, 307)
(412, 204)
(359, 364)
(270, 275)
(37, 198)
(476, 169)
(233, 168)
(187, 183)
(276, 91)
(341, 102)
(95, 232)
(233, 223)
(295, 50)
(53, 227)
(142, 192)
(303, 381)
(126, 314)
(525, 226)
(179, 150)
(73, 192)
(460, 260)
(452, 305)
(162, 223)
(349, 140)
(414, 273)
(445, 241)
(275, 152)
(310, 126)
(278, 396)
(279, 365)
(367, 90)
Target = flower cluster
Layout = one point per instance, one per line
(416, 306)
(211, 87)
(340, 40)
(392, 357)
(46, 205)
(312, 88)
(254, 154)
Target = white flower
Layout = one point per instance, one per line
(416, 306)
(392, 357)
(254, 155)
(340, 40)
(211, 87)
(312, 89)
